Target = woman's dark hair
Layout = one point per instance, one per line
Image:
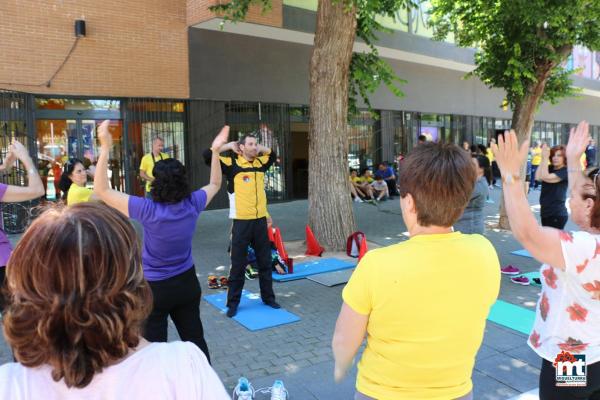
(65, 182)
(482, 148)
(484, 164)
(170, 184)
(556, 149)
(77, 293)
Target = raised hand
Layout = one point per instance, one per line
(104, 135)
(221, 139)
(509, 156)
(578, 141)
(545, 151)
(18, 150)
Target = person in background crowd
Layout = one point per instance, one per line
(536, 159)
(568, 311)
(73, 182)
(149, 161)
(590, 153)
(388, 175)
(380, 189)
(472, 219)
(554, 186)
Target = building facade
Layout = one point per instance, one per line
(171, 69)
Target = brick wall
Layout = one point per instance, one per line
(197, 11)
(132, 48)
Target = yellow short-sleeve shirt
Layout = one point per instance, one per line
(536, 156)
(427, 300)
(147, 164)
(78, 194)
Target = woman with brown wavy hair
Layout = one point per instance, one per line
(77, 302)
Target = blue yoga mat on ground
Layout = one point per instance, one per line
(252, 313)
(309, 268)
(522, 253)
(512, 316)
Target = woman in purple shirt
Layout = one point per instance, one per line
(169, 221)
(12, 194)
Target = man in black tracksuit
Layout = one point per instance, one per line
(248, 208)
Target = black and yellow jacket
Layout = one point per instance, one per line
(246, 184)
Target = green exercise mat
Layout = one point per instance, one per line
(512, 316)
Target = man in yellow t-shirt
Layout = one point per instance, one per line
(423, 303)
(536, 159)
(148, 161)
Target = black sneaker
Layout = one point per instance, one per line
(273, 304)
(232, 311)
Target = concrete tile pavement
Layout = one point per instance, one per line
(300, 353)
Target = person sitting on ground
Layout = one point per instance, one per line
(355, 190)
(568, 311)
(471, 220)
(78, 299)
(388, 175)
(422, 303)
(380, 189)
(73, 182)
(364, 181)
(169, 221)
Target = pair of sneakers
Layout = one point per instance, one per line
(245, 391)
(514, 271)
(215, 282)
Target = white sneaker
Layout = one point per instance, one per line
(278, 391)
(358, 200)
(243, 390)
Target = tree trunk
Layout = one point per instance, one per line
(522, 122)
(330, 212)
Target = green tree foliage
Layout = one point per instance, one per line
(367, 70)
(519, 43)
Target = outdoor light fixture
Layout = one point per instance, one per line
(79, 28)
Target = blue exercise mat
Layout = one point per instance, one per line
(309, 268)
(512, 316)
(252, 313)
(522, 253)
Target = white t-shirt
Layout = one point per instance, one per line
(568, 312)
(176, 370)
(379, 185)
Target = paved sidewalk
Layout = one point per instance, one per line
(300, 353)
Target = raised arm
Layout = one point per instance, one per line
(543, 243)
(216, 174)
(34, 188)
(543, 173)
(115, 199)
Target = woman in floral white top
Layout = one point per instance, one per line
(568, 312)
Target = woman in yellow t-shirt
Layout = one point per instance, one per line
(72, 183)
(422, 303)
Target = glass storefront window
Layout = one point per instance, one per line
(362, 143)
(77, 104)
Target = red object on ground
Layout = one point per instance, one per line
(279, 244)
(363, 248)
(313, 248)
